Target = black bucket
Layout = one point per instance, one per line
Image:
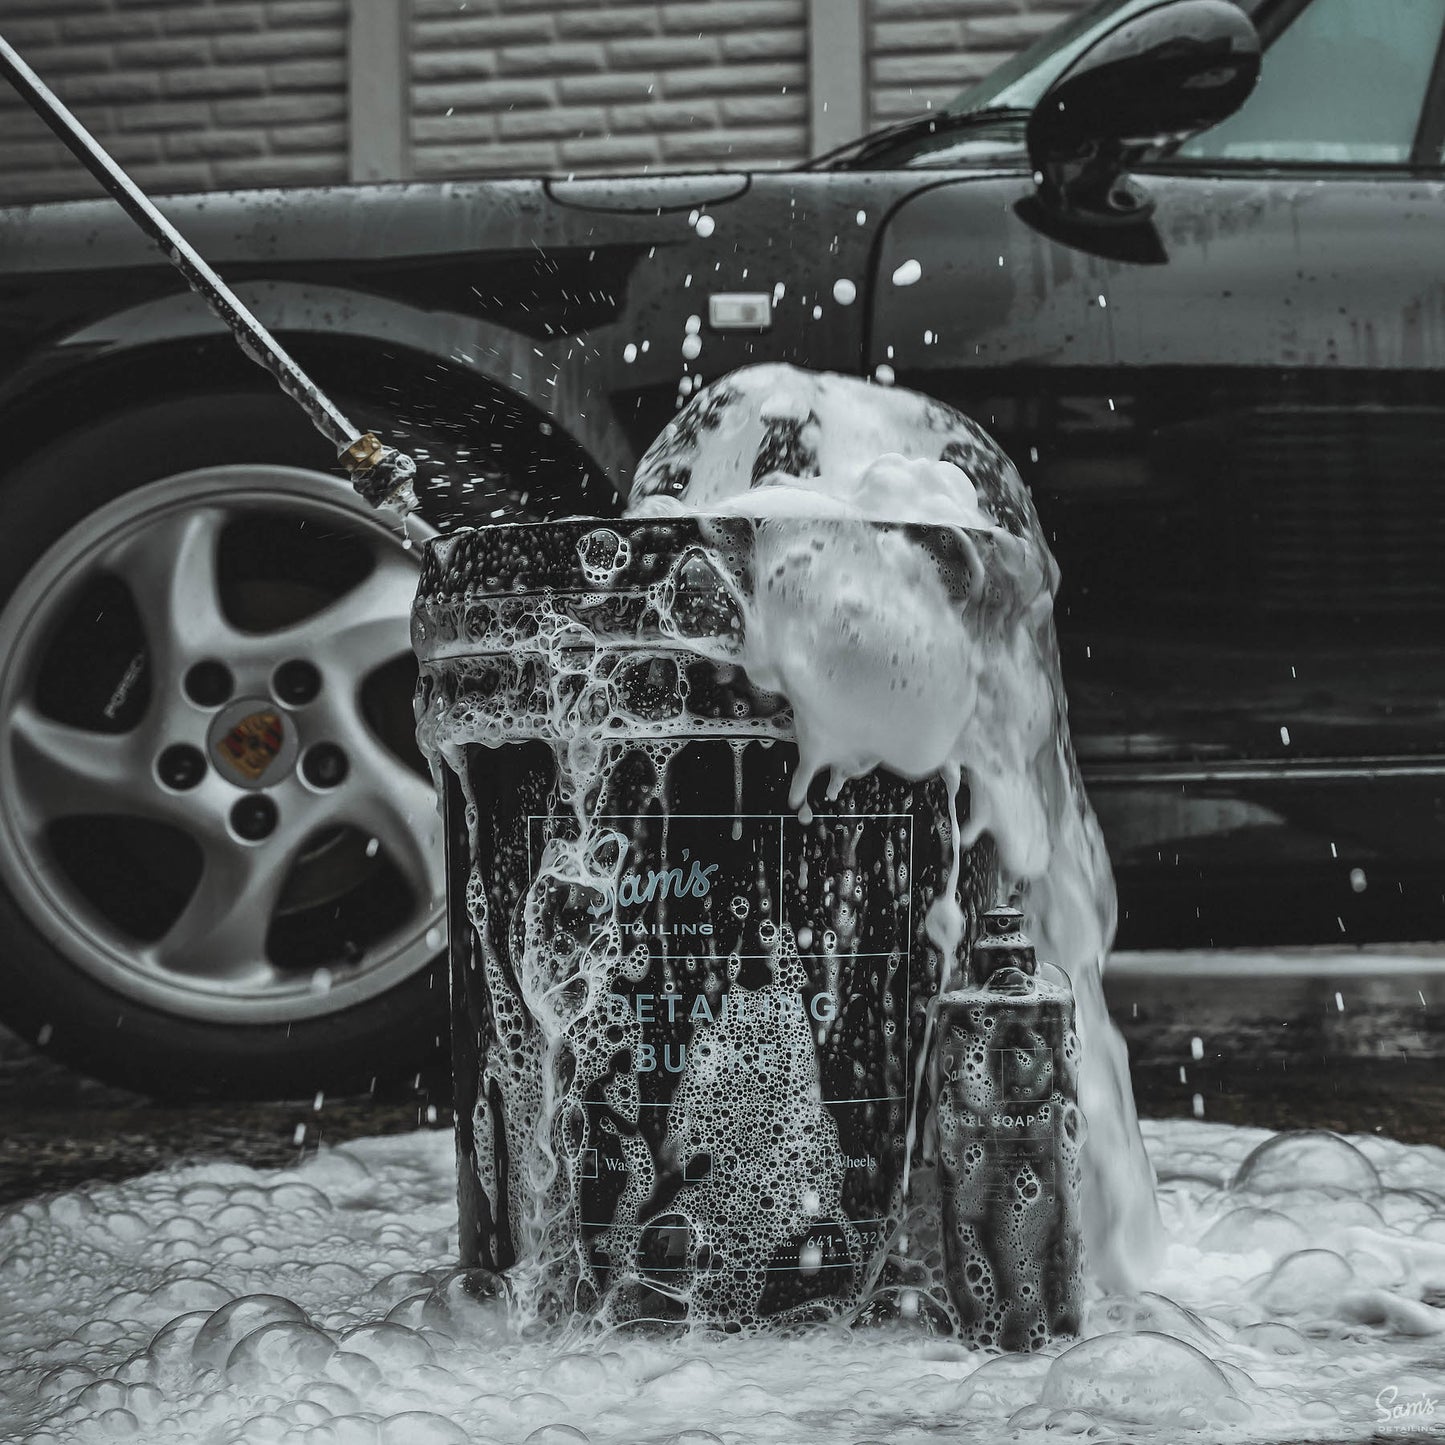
(686, 1022)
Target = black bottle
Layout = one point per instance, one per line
(1009, 1132)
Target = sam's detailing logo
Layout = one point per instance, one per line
(657, 884)
(1401, 1414)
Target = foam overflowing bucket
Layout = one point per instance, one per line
(687, 1017)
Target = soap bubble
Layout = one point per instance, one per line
(126, 1225)
(103, 1395)
(59, 1382)
(1270, 1337)
(337, 1168)
(845, 293)
(145, 1400)
(1251, 1227)
(189, 1293)
(408, 1312)
(576, 1374)
(1069, 1422)
(264, 1428)
(1003, 1385)
(684, 1380)
(389, 1346)
(467, 1302)
(355, 1372)
(345, 1430)
(233, 1322)
(706, 225)
(1307, 1159)
(1141, 1378)
(398, 1286)
(421, 1427)
(282, 1350)
(118, 1424)
(170, 1352)
(1152, 1312)
(557, 1435)
(603, 554)
(1307, 1282)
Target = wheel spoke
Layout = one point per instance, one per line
(66, 772)
(404, 821)
(221, 932)
(361, 629)
(170, 571)
(388, 801)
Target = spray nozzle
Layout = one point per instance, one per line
(382, 475)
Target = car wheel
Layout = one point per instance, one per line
(220, 856)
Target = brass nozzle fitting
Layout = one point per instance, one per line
(364, 453)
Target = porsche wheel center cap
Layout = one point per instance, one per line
(252, 743)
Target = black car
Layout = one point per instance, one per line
(1215, 351)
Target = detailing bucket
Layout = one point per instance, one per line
(686, 1018)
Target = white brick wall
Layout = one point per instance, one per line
(582, 86)
(187, 94)
(195, 94)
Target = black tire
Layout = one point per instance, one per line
(45, 996)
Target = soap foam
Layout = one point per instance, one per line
(216, 1303)
(883, 667)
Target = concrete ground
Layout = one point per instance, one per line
(1328, 1039)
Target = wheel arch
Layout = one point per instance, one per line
(369, 353)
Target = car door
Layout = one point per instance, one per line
(1233, 423)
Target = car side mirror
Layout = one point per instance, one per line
(1157, 78)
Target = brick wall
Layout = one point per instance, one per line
(187, 94)
(923, 52)
(196, 94)
(573, 85)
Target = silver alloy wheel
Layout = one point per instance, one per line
(211, 962)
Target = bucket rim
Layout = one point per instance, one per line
(513, 558)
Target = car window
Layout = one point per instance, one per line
(1344, 84)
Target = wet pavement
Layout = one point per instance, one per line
(1328, 1039)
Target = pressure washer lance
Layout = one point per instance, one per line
(382, 475)
(1009, 1130)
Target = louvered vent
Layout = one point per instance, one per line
(1347, 511)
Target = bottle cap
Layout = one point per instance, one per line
(1002, 943)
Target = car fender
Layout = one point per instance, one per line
(534, 372)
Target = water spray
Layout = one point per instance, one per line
(381, 475)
